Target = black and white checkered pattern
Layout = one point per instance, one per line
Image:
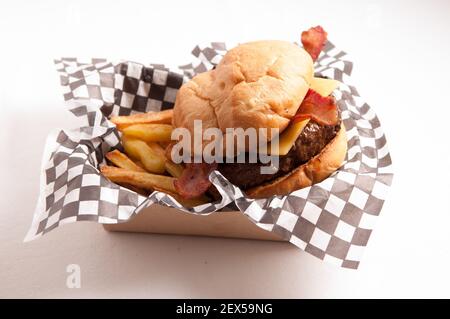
(207, 57)
(331, 220)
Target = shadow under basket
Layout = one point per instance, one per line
(159, 219)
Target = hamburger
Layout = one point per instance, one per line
(270, 85)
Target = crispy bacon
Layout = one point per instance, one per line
(194, 180)
(321, 109)
(314, 40)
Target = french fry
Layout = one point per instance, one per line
(139, 150)
(121, 160)
(157, 149)
(164, 145)
(168, 150)
(139, 163)
(138, 179)
(173, 169)
(162, 117)
(150, 132)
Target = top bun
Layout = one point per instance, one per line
(257, 84)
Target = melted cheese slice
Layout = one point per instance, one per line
(324, 86)
(287, 138)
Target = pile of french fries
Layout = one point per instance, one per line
(145, 166)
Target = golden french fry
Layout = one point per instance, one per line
(139, 179)
(121, 160)
(168, 150)
(139, 150)
(173, 169)
(139, 163)
(157, 149)
(149, 132)
(164, 145)
(130, 146)
(162, 117)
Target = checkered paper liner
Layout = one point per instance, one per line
(331, 220)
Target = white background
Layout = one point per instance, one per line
(401, 67)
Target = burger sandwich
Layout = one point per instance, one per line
(269, 85)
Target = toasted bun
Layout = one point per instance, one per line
(257, 84)
(314, 171)
(192, 103)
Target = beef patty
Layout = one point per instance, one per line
(311, 141)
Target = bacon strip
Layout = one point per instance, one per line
(194, 181)
(314, 40)
(321, 109)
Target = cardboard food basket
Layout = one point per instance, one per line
(167, 220)
(331, 220)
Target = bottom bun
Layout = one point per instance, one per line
(314, 171)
